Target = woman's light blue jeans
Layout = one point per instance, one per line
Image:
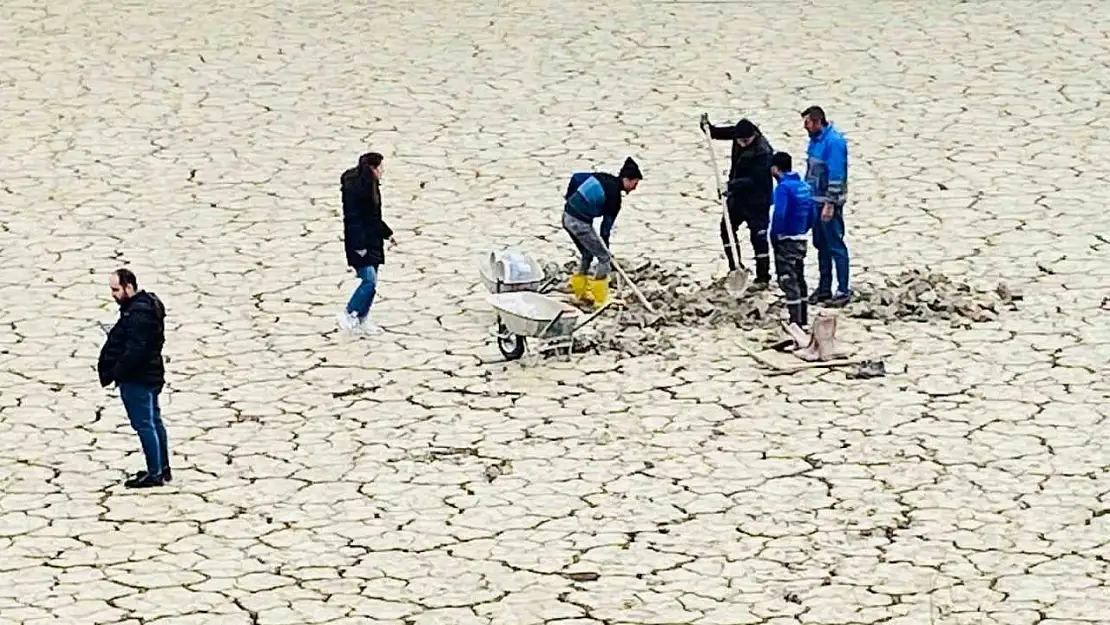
(363, 297)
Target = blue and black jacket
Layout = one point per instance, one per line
(795, 210)
(595, 194)
(827, 166)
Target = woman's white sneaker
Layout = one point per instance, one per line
(347, 321)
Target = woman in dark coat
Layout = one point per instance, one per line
(364, 235)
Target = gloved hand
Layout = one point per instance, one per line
(703, 122)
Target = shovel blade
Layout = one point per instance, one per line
(737, 282)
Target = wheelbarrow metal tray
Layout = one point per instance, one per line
(528, 314)
(487, 271)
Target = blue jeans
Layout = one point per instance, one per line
(363, 296)
(828, 238)
(141, 403)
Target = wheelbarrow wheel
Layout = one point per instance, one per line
(511, 346)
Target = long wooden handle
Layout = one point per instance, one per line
(632, 285)
(724, 201)
(635, 291)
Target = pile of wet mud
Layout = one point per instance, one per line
(681, 301)
(919, 295)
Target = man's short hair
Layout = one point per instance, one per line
(126, 278)
(815, 113)
(782, 161)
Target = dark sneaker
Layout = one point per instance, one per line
(146, 481)
(760, 284)
(819, 297)
(167, 475)
(840, 300)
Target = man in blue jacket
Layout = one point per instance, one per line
(591, 195)
(827, 176)
(793, 216)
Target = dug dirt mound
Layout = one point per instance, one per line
(918, 295)
(681, 301)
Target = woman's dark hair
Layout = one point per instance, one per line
(370, 160)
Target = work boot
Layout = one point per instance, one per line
(599, 289)
(819, 297)
(578, 285)
(795, 311)
(763, 271)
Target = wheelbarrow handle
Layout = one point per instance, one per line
(551, 324)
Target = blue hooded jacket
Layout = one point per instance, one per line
(827, 166)
(795, 210)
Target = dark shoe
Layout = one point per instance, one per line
(167, 475)
(867, 370)
(840, 300)
(146, 481)
(819, 297)
(760, 284)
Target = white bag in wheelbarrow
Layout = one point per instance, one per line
(514, 267)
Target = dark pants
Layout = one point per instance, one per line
(589, 244)
(828, 238)
(790, 266)
(758, 221)
(141, 403)
(363, 296)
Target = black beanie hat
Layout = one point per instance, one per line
(745, 129)
(630, 170)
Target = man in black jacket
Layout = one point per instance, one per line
(364, 235)
(132, 359)
(750, 186)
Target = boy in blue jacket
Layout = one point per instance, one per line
(591, 195)
(793, 217)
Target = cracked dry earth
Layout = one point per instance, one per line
(413, 477)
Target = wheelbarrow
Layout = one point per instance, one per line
(527, 314)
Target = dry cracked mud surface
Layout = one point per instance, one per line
(413, 478)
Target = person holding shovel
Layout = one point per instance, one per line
(591, 195)
(748, 194)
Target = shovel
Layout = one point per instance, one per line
(631, 284)
(737, 281)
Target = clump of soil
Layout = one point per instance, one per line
(918, 295)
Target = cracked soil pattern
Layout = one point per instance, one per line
(412, 477)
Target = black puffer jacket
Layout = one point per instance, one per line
(750, 184)
(133, 351)
(363, 227)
